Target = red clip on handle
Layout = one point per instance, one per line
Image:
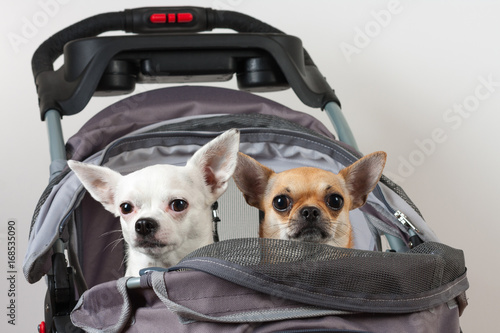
(167, 19)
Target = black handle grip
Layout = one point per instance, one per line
(44, 57)
(191, 19)
(148, 20)
(112, 64)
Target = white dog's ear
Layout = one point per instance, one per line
(216, 161)
(99, 181)
(362, 176)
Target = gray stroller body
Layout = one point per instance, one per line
(240, 283)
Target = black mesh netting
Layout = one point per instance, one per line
(323, 268)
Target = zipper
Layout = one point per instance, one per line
(405, 221)
(412, 230)
(400, 216)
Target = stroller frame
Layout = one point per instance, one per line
(271, 61)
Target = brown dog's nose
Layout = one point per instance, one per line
(146, 227)
(310, 214)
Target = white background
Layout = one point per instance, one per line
(400, 86)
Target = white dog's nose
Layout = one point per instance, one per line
(146, 227)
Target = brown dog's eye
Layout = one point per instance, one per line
(178, 205)
(335, 201)
(281, 203)
(126, 208)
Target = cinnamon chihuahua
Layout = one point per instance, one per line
(308, 204)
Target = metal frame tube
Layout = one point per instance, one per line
(56, 142)
(340, 124)
(134, 283)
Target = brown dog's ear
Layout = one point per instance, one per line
(362, 176)
(251, 178)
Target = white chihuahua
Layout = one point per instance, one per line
(165, 210)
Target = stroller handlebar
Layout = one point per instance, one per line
(148, 20)
(56, 88)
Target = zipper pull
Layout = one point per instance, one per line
(412, 230)
(405, 221)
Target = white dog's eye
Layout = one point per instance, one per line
(281, 203)
(126, 208)
(335, 201)
(178, 205)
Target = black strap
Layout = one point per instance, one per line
(215, 220)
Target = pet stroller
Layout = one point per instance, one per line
(240, 283)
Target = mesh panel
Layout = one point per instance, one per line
(454, 264)
(323, 268)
